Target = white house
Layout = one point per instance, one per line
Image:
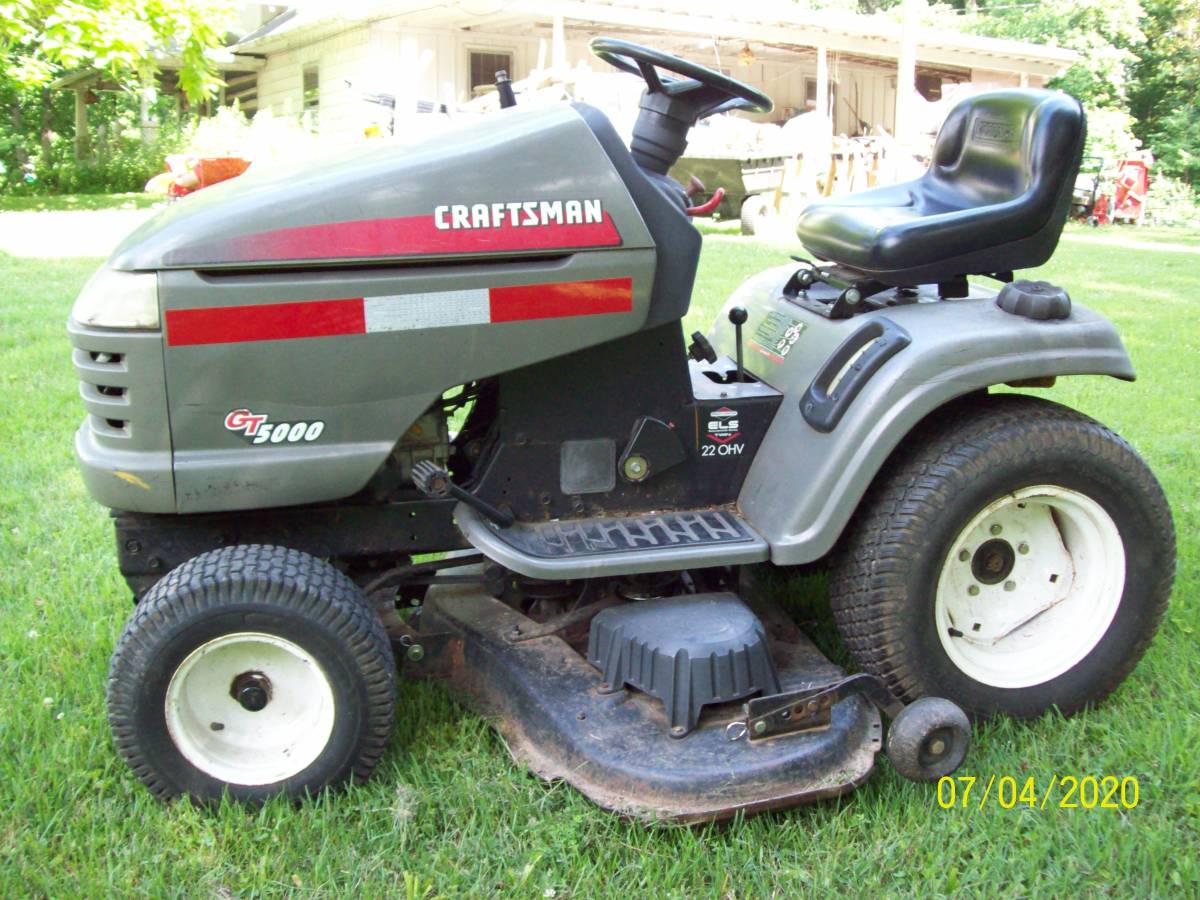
(319, 59)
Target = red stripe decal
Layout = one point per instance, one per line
(406, 236)
(268, 322)
(552, 301)
(327, 318)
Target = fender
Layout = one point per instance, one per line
(807, 479)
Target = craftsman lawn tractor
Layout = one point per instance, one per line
(430, 412)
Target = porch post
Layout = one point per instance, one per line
(147, 96)
(81, 123)
(823, 83)
(906, 72)
(558, 44)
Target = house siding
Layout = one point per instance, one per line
(338, 58)
(432, 65)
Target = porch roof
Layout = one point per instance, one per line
(769, 24)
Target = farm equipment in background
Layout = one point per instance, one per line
(1103, 196)
(1088, 203)
(1130, 190)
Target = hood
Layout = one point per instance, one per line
(518, 182)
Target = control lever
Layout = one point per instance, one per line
(505, 89)
(696, 186)
(738, 316)
(434, 481)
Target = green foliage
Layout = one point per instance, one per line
(1110, 134)
(42, 38)
(121, 158)
(1102, 32)
(1165, 99)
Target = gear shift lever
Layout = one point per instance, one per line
(738, 316)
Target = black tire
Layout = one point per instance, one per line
(290, 597)
(884, 576)
(929, 739)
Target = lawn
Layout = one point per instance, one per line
(449, 813)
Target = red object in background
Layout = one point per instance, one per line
(1132, 185)
(206, 171)
(1100, 210)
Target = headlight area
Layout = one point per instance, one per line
(115, 299)
(123, 445)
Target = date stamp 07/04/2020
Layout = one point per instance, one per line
(1058, 792)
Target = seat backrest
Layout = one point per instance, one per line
(1013, 144)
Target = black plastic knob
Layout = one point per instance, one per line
(701, 350)
(738, 315)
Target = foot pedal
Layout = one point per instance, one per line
(689, 652)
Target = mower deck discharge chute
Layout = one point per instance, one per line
(473, 349)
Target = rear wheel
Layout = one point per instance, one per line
(255, 670)
(1013, 557)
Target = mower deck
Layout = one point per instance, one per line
(615, 748)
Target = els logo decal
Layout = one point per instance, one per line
(260, 430)
(721, 432)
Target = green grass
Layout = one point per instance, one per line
(448, 812)
(61, 202)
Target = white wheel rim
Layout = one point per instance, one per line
(222, 738)
(1055, 603)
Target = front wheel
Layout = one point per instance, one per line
(1013, 557)
(254, 671)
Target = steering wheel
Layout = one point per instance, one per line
(704, 90)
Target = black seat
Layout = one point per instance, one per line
(994, 199)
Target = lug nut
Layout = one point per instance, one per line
(973, 590)
(1022, 547)
(996, 529)
(964, 555)
(1010, 585)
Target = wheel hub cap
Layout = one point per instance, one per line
(252, 690)
(1029, 586)
(993, 561)
(250, 708)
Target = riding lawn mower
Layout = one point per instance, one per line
(431, 412)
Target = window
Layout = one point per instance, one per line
(311, 96)
(484, 66)
(929, 85)
(810, 95)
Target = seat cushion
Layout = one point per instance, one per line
(994, 199)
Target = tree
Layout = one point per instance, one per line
(40, 39)
(1165, 97)
(1104, 33)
